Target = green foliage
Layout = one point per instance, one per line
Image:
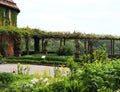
(72, 64)
(41, 33)
(18, 85)
(4, 16)
(85, 58)
(2, 9)
(6, 78)
(14, 18)
(7, 19)
(23, 70)
(43, 61)
(41, 89)
(99, 76)
(100, 55)
(19, 33)
(65, 50)
(56, 58)
(57, 87)
(91, 77)
(104, 89)
(67, 86)
(3, 46)
(51, 59)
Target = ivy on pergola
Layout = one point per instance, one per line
(38, 34)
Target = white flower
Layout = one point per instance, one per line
(47, 83)
(31, 85)
(45, 80)
(34, 80)
(41, 78)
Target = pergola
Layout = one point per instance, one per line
(89, 40)
(39, 35)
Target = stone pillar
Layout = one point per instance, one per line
(36, 45)
(90, 46)
(27, 44)
(77, 52)
(17, 45)
(60, 42)
(112, 47)
(44, 45)
(85, 46)
(64, 41)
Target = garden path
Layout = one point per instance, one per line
(33, 68)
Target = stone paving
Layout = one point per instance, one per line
(33, 68)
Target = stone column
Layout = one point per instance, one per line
(17, 45)
(36, 45)
(77, 52)
(27, 44)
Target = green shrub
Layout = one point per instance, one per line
(36, 59)
(41, 89)
(7, 77)
(57, 87)
(72, 64)
(56, 58)
(43, 61)
(1, 61)
(85, 58)
(104, 89)
(64, 50)
(98, 76)
(100, 55)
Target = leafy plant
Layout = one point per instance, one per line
(72, 65)
(64, 50)
(57, 87)
(6, 78)
(100, 55)
(22, 70)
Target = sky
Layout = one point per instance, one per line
(86, 16)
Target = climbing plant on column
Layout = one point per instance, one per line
(2, 10)
(14, 18)
(17, 44)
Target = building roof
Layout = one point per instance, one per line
(9, 3)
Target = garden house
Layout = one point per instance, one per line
(8, 17)
(8, 13)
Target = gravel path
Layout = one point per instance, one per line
(33, 68)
